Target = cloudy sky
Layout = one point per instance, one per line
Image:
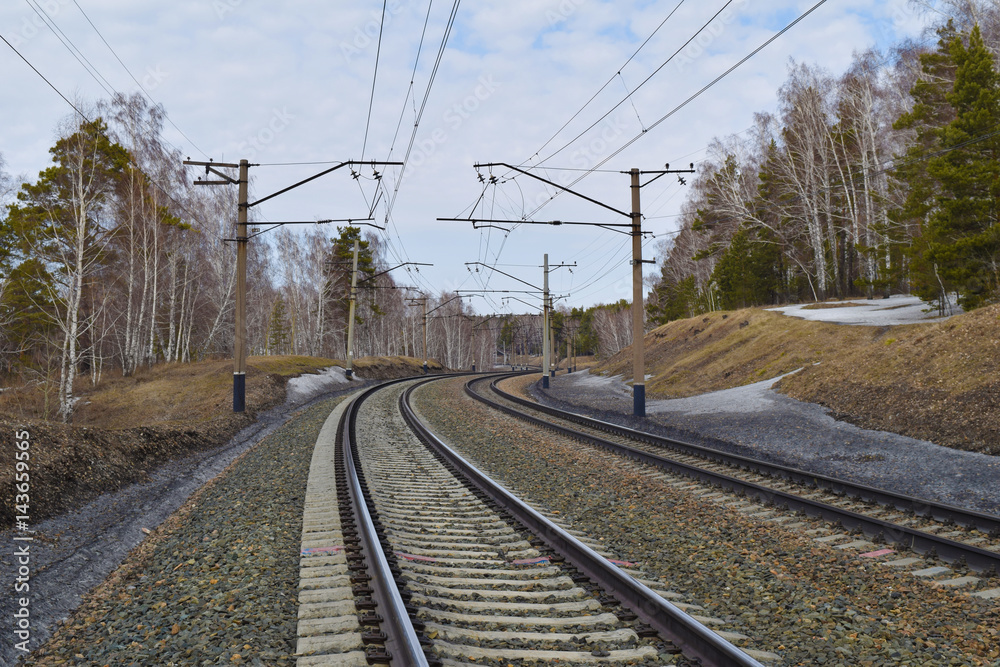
(288, 84)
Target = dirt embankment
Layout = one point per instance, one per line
(937, 381)
(128, 426)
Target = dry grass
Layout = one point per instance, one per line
(730, 349)
(935, 381)
(185, 394)
(128, 426)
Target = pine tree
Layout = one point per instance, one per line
(954, 192)
(278, 332)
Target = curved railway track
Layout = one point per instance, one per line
(449, 568)
(950, 533)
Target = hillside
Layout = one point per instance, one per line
(126, 426)
(936, 381)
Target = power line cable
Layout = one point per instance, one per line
(423, 105)
(607, 83)
(58, 92)
(371, 101)
(643, 83)
(695, 96)
(144, 91)
(73, 50)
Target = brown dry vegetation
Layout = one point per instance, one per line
(936, 381)
(127, 426)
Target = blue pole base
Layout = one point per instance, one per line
(239, 392)
(425, 368)
(545, 381)
(639, 400)
(349, 374)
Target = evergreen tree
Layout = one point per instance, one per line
(954, 192)
(278, 331)
(673, 300)
(748, 273)
(338, 270)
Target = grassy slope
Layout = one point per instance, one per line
(126, 426)
(935, 381)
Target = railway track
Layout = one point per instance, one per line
(448, 568)
(949, 533)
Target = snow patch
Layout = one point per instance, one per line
(756, 397)
(304, 387)
(897, 309)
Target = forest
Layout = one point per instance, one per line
(112, 261)
(881, 180)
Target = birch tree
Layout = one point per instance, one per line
(65, 218)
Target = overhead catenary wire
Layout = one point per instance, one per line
(50, 84)
(371, 99)
(606, 83)
(695, 95)
(72, 48)
(423, 104)
(141, 87)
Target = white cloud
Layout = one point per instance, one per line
(295, 79)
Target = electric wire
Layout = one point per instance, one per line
(144, 91)
(423, 105)
(73, 50)
(696, 95)
(643, 83)
(50, 84)
(606, 84)
(371, 100)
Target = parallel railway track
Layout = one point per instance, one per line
(950, 533)
(455, 570)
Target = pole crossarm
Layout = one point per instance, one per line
(210, 167)
(498, 291)
(555, 223)
(530, 305)
(348, 163)
(555, 185)
(381, 273)
(492, 268)
(663, 172)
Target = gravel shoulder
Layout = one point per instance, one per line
(242, 499)
(757, 421)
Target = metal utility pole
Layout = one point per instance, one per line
(350, 315)
(635, 231)
(413, 301)
(552, 339)
(243, 207)
(638, 327)
(240, 351)
(545, 323)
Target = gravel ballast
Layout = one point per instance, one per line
(757, 421)
(217, 582)
(807, 601)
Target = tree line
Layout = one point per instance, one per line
(881, 180)
(111, 262)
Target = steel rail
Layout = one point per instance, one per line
(980, 560)
(921, 507)
(693, 638)
(402, 642)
